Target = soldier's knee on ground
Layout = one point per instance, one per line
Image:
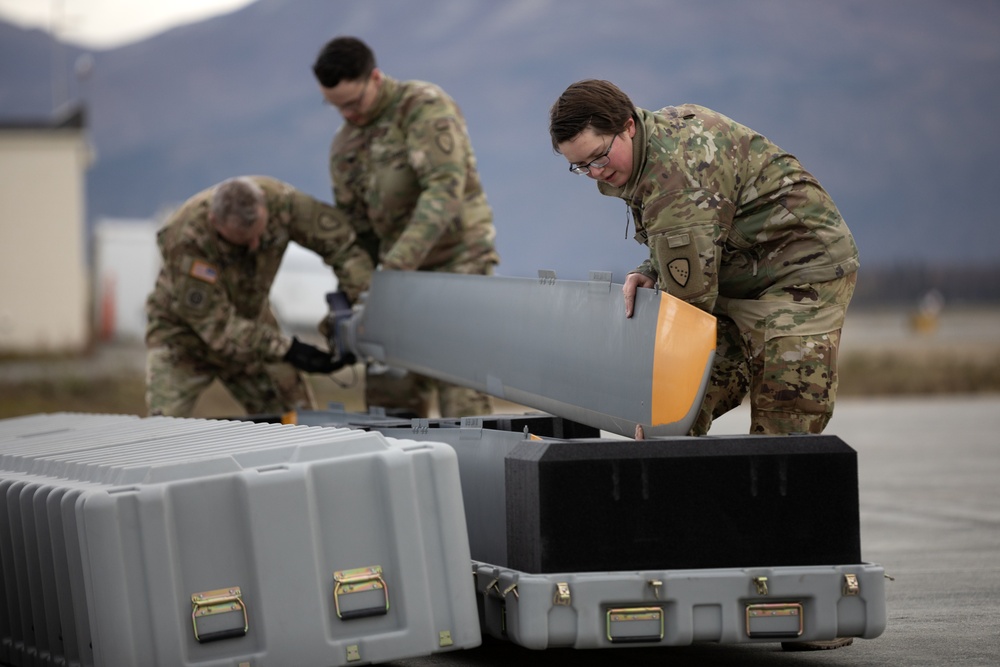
(273, 388)
(463, 402)
(173, 382)
(406, 394)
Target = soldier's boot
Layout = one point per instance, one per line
(821, 645)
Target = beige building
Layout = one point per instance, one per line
(44, 282)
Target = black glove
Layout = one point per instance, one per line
(311, 359)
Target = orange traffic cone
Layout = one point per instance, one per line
(107, 314)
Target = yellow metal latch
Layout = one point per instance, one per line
(851, 585)
(360, 592)
(219, 614)
(562, 596)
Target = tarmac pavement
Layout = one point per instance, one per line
(929, 473)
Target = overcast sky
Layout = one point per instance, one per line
(104, 24)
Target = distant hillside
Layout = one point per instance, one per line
(891, 104)
(906, 283)
(29, 80)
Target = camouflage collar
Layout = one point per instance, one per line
(639, 148)
(384, 99)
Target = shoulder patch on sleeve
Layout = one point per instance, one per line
(196, 298)
(445, 142)
(680, 270)
(204, 271)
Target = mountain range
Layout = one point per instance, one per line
(891, 104)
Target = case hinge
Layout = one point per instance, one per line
(656, 585)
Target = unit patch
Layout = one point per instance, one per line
(196, 297)
(328, 222)
(445, 142)
(204, 271)
(680, 271)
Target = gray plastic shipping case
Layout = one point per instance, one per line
(587, 610)
(667, 607)
(187, 542)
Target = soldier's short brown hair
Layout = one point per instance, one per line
(593, 103)
(237, 200)
(343, 59)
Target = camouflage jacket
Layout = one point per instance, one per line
(407, 181)
(725, 212)
(211, 296)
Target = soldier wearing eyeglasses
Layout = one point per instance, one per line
(735, 226)
(404, 173)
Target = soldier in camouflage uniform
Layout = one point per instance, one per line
(209, 315)
(404, 174)
(734, 226)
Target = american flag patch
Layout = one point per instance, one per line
(204, 271)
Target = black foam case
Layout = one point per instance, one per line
(679, 503)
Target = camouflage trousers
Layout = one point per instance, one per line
(781, 349)
(412, 395)
(175, 380)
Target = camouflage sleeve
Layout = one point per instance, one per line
(646, 269)
(685, 246)
(347, 199)
(325, 230)
(201, 301)
(438, 153)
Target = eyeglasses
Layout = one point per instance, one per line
(355, 104)
(599, 162)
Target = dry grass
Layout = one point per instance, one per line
(112, 395)
(123, 393)
(967, 370)
(882, 355)
(868, 372)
